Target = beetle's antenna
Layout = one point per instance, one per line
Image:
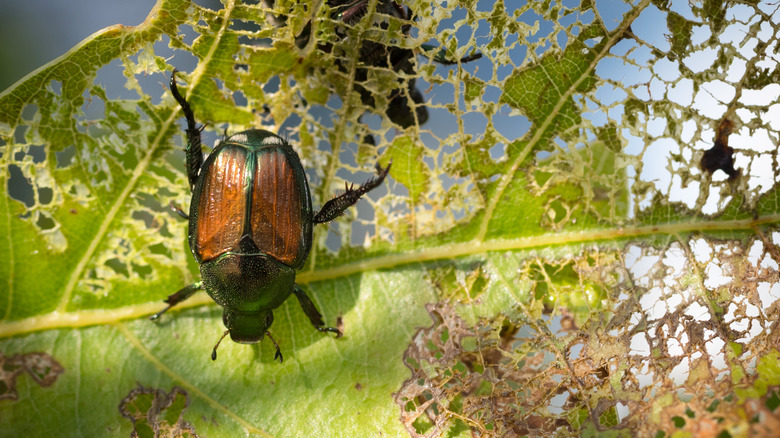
(278, 351)
(214, 353)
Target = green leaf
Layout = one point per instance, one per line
(546, 258)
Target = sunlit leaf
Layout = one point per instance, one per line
(547, 258)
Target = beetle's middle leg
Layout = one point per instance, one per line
(178, 297)
(179, 212)
(311, 311)
(193, 151)
(336, 206)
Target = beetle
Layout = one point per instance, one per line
(250, 226)
(372, 54)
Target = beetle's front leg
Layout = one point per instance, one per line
(178, 297)
(311, 311)
(336, 206)
(194, 151)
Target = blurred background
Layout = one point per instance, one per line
(34, 33)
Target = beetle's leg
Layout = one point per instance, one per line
(214, 351)
(193, 151)
(175, 208)
(441, 56)
(278, 354)
(336, 206)
(178, 297)
(311, 311)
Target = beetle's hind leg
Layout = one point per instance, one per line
(336, 206)
(441, 56)
(178, 297)
(193, 151)
(311, 311)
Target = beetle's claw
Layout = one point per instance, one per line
(157, 315)
(383, 172)
(179, 212)
(278, 354)
(332, 330)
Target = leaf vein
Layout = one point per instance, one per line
(136, 343)
(538, 134)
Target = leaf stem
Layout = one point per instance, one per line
(83, 318)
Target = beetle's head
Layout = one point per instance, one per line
(247, 328)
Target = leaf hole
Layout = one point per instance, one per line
(65, 157)
(19, 187)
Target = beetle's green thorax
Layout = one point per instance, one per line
(248, 287)
(247, 283)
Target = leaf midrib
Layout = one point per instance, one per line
(464, 249)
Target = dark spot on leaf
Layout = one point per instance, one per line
(534, 422)
(773, 401)
(721, 155)
(155, 413)
(40, 366)
(358, 386)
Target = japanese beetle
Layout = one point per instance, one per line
(372, 54)
(250, 226)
